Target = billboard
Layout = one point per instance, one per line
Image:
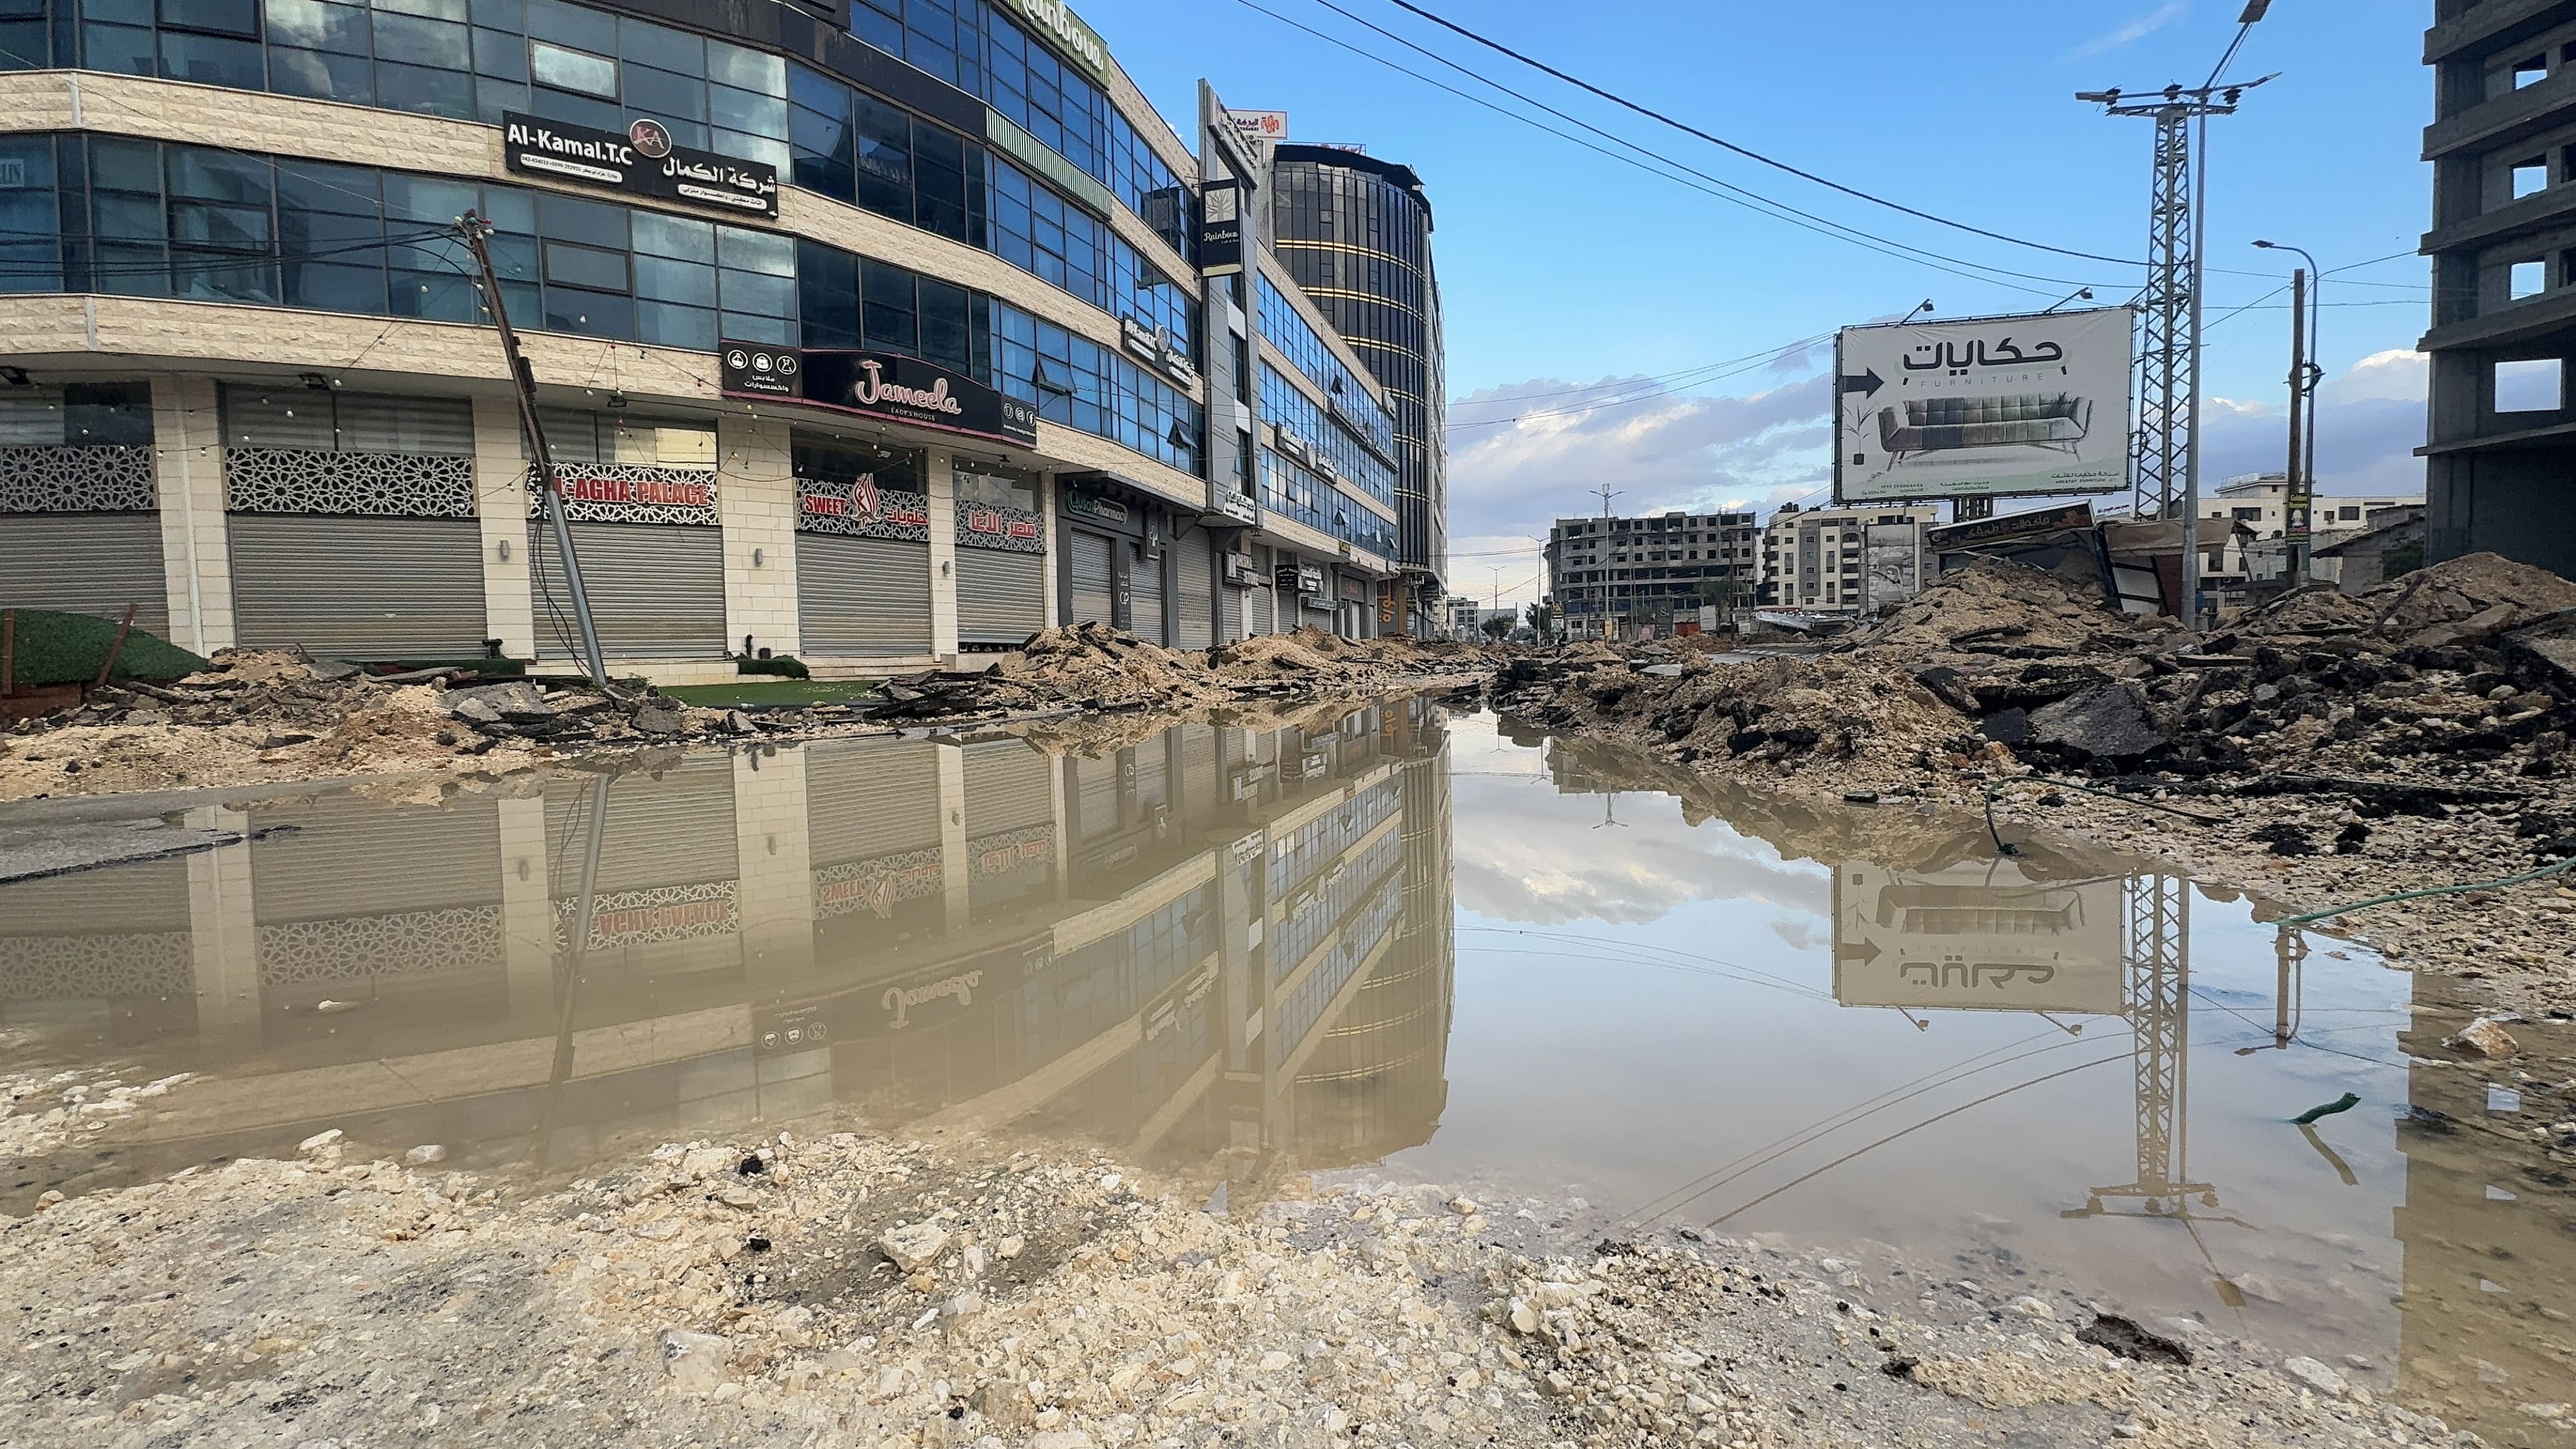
(1986, 407)
(1977, 936)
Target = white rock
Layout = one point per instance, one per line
(2315, 1375)
(2484, 1038)
(424, 1155)
(708, 1161)
(2029, 1307)
(914, 1245)
(320, 1140)
(696, 1363)
(1524, 1316)
(1273, 1361)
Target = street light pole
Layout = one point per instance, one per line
(2304, 383)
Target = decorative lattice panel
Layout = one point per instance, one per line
(115, 479)
(877, 886)
(374, 485)
(406, 943)
(630, 493)
(71, 968)
(988, 525)
(862, 510)
(661, 913)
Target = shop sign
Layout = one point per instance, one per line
(1299, 579)
(1271, 126)
(990, 525)
(2010, 525)
(998, 855)
(1221, 228)
(1092, 505)
(633, 493)
(1064, 30)
(663, 913)
(1142, 340)
(862, 509)
(1225, 500)
(878, 886)
(642, 162)
(878, 385)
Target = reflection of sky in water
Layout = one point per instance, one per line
(1645, 1017)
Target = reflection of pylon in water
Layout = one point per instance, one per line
(2159, 1012)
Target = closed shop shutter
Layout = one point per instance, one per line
(1197, 589)
(1089, 565)
(1198, 772)
(866, 799)
(1095, 785)
(1001, 597)
(1145, 600)
(85, 563)
(656, 590)
(1265, 611)
(360, 587)
(1009, 786)
(1230, 625)
(863, 595)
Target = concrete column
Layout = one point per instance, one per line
(774, 878)
(942, 485)
(1054, 554)
(188, 476)
(1063, 839)
(224, 937)
(955, 866)
(756, 500)
(501, 508)
(528, 933)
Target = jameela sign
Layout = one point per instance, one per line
(642, 162)
(878, 384)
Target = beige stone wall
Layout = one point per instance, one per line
(188, 474)
(940, 466)
(756, 498)
(774, 889)
(501, 510)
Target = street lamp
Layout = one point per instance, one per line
(2315, 368)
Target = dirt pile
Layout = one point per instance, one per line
(1092, 666)
(2003, 610)
(836, 1289)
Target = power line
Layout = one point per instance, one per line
(1752, 155)
(1738, 366)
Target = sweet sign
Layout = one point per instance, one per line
(880, 385)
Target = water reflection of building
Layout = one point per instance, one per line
(1210, 941)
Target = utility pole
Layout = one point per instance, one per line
(476, 231)
(2299, 489)
(1601, 586)
(2166, 451)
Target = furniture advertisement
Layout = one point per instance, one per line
(1984, 407)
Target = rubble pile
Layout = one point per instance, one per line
(808, 1289)
(273, 715)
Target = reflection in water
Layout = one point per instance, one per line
(1537, 968)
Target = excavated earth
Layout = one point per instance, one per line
(841, 1289)
(2317, 753)
(265, 716)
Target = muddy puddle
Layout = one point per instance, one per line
(1406, 945)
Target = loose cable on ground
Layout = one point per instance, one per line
(2449, 890)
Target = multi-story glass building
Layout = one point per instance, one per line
(878, 337)
(1355, 233)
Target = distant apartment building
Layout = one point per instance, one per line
(1843, 560)
(2500, 437)
(2260, 501)
(1631, 572)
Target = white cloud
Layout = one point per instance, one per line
(2135, 30)
(1638, 870)
(2370, 421)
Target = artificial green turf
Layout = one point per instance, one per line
(55, 648)
(771, 691)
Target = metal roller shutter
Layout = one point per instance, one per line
(1008, 787)
(1001, 597)
(1197, 590)
(1145, 601)
(1231, 599)
(866, 799)
(1198, 772)
(359, 588)
(1088, 562)
(1153, 773)
(1265, 611)
(656, 590)
(863, 595)
(1095, 784)
(85, 563)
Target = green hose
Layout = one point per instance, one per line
(2449, 890)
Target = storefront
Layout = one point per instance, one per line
(873, 833)
(862, 549)
(1001, 556)
(666, 902)
(641, 497)
(1115, 555)
(1193, 590)
(351, 523)
(1355, 605)
(79, 526)
(1300, 587)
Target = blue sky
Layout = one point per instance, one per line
(1563, 268)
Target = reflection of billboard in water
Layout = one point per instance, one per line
(1976, 936)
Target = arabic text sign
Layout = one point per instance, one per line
(1986, 407)
(1260, 125)
(1976, 936)
(612, 159)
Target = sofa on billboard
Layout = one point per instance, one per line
(2056, 421)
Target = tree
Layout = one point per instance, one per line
(1540, 619)
(1496, 626)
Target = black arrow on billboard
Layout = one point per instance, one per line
(1863, 951)
(1867, 384)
